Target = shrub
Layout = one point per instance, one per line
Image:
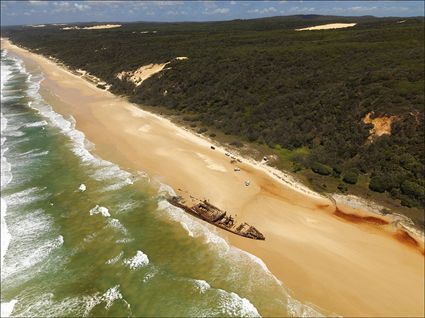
(412, 189)
(236, 143)
(377, 184)
(337, 169)
(321, 169)
(350, 177)
(342, 187)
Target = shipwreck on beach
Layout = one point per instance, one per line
(213, 215)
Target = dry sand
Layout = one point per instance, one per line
(95, 27)
(137, 77)
(351, 267)
(328, 26)
(381, 125)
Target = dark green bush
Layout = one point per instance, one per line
(350, 177)
(321, 169)
(377, 184)
(412, 189)
(342, 187)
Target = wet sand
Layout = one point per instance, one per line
(338, 264)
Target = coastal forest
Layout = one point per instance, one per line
(302, 94)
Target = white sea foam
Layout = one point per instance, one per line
(6, 72)
(202, 285)
(124, 240)
(127, 205)
(5, 235)
(165, 189)
(227, 304)
(36, 124)
(90, 237)
(6, 174)
(115, 259)
(194, 227)
(3, 122)
(100, 210)
(21, 140)
(149, 275)
(27, 196)
(6, 178)
(111, 295)
(26, 228)
(189, 232)
(45, 305)
(14, 133)
(109, 170)
(29, 256)
(7, 308)
(108, 297)
(259, 262)
(116, 224)
(33, 153)
(117, 186)
(23, 256)
(233, 305)
(139, 260)
(297, 309)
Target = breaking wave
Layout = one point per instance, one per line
(138, 260)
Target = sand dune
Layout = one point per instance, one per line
(138, 76)
(95, 27)
(141, 74)
(381, 125)
(328, 26)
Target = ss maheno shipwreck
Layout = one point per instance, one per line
(213, 215)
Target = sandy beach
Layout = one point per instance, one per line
(349, 266)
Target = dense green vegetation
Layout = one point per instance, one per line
(303, 94)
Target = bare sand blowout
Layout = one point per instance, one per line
(346, 266)
(329, 26)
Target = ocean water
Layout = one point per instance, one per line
(82, 237)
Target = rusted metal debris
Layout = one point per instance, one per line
(213, 215)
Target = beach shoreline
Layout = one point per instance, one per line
(206, 173)
(357, 205)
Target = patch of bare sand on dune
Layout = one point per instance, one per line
(328, 26)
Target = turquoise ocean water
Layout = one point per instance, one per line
(82, 237)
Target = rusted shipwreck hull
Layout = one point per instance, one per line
(213, 215)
